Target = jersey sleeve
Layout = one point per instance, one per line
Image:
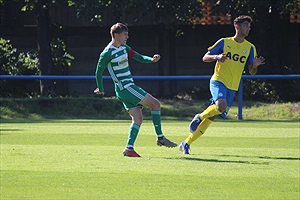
(138, 57)
(142, 58)
(251, 56)
(217, 48)
(103, 61)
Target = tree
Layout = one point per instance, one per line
(163, 11)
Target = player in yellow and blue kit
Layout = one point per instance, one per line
(231, 54)
(115, 58)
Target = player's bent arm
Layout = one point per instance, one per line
(252, 69)
(211, 58)
(256, 62)
(142, 58)
(208, 57)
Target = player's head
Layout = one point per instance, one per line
(118, 28)
(119, 33)
(242, 25)
(241, 19)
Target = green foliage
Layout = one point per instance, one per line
(16, 64)
(256, 9)
(60, 57)
(271, 90)
(7, 55)
(30, 5)
(163, 11)
(260, 91)
(13, 63)
(27, 63)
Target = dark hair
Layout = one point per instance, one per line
(241, 19)
(118, 28)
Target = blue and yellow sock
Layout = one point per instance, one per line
(199, 131)
(132, 134)
(156, 119)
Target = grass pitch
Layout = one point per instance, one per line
(82, 159)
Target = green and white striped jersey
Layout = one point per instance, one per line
(115, 59)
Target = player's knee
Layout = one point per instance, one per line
(212, 118)
(156, 105)
(222, 110)
(137, 119)
(221, 107)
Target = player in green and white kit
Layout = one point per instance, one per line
(115, 58)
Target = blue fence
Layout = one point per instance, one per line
(161, 78)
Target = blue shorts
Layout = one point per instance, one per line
(219, 91)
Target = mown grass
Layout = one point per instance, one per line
(82, 159)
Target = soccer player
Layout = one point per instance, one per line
(115, 58)
(231, 54)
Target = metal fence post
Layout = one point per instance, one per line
(240, 100)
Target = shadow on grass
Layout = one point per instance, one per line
(10, 129)
(266, 120)
(232, 161)
(218, 161)
(261, 157)
(3, 131)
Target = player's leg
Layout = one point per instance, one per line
(223, 105)
(218, 91)
(130, 100)
(137, 119)
(202, 121)
(137, 96)
(152, 103)
(209, 112)
(229, 100)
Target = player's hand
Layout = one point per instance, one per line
(96, 91)
(221, 57)
(259, 60)
(155, 58)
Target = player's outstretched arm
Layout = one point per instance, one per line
(259, 60)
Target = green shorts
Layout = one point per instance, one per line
(131, 96)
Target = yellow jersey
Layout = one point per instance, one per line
(238, 56)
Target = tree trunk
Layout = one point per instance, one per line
(44, 39)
